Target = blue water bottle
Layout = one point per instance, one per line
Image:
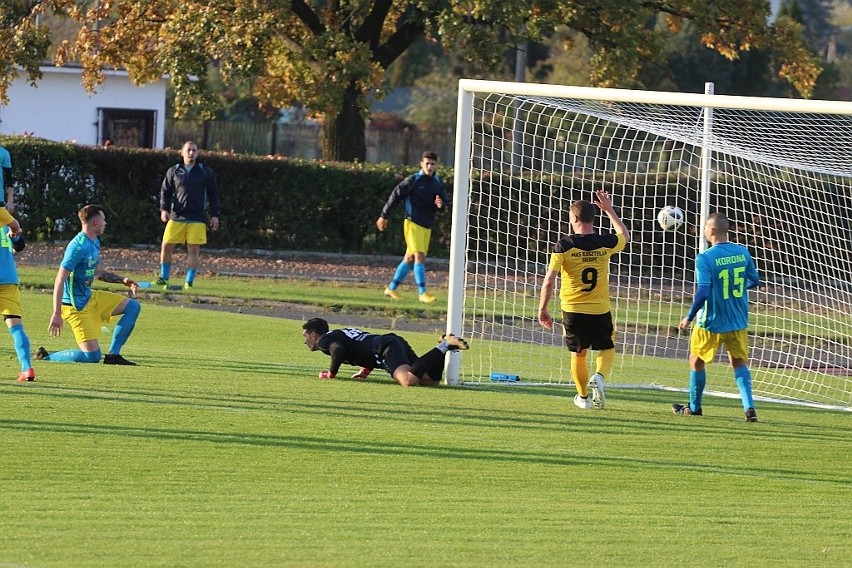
(505, 377)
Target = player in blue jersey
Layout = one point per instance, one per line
(83, 308)
(723, 275)
(188, 190)
(7, 192)
(424, 194)
(10, 300)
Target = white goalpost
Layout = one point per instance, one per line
(781, 169)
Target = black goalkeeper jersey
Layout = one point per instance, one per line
(351, 346)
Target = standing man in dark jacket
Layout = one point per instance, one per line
(424, 195)
(187, 191)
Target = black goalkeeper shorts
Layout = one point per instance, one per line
(394, 351)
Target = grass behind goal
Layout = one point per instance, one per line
(223, 449)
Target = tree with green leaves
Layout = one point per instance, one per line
(329, 55)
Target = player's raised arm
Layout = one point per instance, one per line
(604, 202)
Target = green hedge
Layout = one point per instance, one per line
(267, 203)
(279, 204)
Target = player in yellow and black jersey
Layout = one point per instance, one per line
(582, 260)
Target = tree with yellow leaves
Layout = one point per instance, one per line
(330, 55)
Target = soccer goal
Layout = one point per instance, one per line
(781, 169)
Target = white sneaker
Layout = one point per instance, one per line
(596, 386)
(581, 402)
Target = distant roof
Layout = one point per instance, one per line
(76, 68)
(395, 102)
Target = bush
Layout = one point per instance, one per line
(267, 202)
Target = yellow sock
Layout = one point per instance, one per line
(604, 362)
(580, 373)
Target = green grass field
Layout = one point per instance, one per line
(222, 448)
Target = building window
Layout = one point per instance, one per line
(126, 127)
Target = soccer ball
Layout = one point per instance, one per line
(670, 217)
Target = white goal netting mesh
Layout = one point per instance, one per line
(784, 179)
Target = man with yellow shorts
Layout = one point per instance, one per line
(424, 195)
(188, 188)
(723, 275)
(10, 301)
(85, 309)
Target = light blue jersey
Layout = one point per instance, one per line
(8, 271)
(729, 271)
(5, 162)
(81, 259)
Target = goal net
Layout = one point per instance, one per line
(780, 169)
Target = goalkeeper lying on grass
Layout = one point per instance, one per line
(368, 351)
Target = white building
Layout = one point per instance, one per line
(58, 108)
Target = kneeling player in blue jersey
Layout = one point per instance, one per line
(85, 309)
(368, 351)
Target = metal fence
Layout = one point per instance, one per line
(395, 146)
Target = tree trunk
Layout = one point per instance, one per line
(343, 137)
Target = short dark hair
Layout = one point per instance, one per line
(584, 211)
(88, 212)
(720, 222)
(316, 325)
(430, 155)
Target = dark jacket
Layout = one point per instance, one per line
(418, 191)
(186, 195)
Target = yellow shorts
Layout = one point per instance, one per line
(704, 344)
(5, 216)
(417, 237)
(184, 232)
(86, 324)
(10, 300)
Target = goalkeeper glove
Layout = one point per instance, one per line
(326, 375)
(18, 242)
(363, 373)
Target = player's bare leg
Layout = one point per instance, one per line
(405, 377)
(428, 381)
(167, 252)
